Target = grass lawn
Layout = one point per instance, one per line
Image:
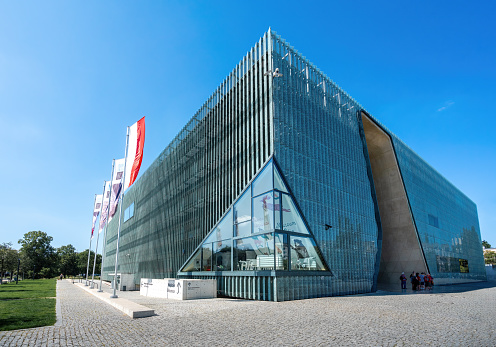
(28, 304)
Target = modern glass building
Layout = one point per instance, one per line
(283, 187)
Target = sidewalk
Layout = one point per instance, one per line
(128, 307)
(464, 316)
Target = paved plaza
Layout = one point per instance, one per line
(462, 315)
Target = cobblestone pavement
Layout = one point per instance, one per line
(465, 316)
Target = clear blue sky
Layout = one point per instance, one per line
(74, 74)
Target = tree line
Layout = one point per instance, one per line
(37, 258)
(489, 256)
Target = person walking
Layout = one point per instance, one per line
(422, 281)
(429, 281)
(417, 281)
(403, 280)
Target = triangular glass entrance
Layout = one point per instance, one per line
(263, 230)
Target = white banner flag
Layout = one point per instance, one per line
(116, 185)
(96, 210)
(103, 217)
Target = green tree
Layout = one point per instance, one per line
(486, 244)
(25, 269)
(490, 258)
(3, 253)
(8, 260)
(68, 260)
(11, 264)
(83, 262)
(38, 254)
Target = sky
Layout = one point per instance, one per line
(74, 75)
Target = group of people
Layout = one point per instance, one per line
(420, 281)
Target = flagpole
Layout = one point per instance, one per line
(94, 262)
(97, 238)
(120, 201)
(105, 229)
(89, 249)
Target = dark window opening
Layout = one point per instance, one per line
(434, 221)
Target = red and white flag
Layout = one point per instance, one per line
(103, 217)
(96, 210)
(134, 151)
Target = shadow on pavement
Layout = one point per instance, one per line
(390, 289)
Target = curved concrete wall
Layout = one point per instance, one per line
(401, 251)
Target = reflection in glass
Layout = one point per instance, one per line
(242, 208)
(207, 257)
(222, 255)
(451, 264)
(263, 213)
(305, 255)
(281, 251)
(463, 265)
(277, 210)
(290, 216)
(129, 212)
(223, 230)
(263, 183)
(260, 215)
(255, 253)
(242, 229)
(195, 263)
(278, 182)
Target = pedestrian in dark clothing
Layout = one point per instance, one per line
(417, 281)
(403, 280)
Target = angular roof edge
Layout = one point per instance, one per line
(263, 45)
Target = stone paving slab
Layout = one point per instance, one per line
(464, 318)
(130, 308)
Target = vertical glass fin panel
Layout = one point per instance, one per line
(291, 217)
(305, 255)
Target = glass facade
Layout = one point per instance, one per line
(318, 146)
(186, 190)
(268, 189)
(446, 221)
